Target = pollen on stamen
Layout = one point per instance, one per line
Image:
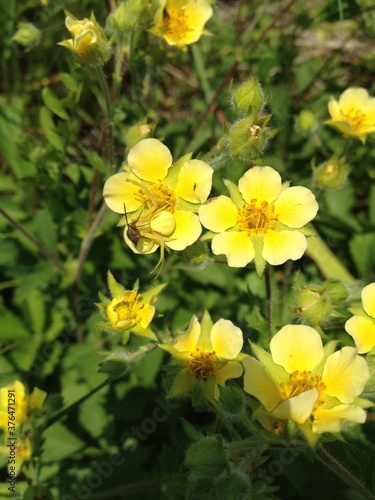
(202, 364)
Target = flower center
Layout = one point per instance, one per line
(129, 307)
(163, 196)
(300, 382)
(356, 118)
(202, 364)
(257, 219)
(175, 26)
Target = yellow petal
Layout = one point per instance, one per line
(279, 246)
(226, 338)
(232, 369)
(259, 383)
(298, 408)
(194, 181)
(37, 398)
(121, 195)
(363, 332)
(187, 342)
(296, 206)
(150, 160)
(334, 110)
(146, 315)
(260, 183)
(218, 214)
(332, 419)
(236, 245)
(353, 98)
(368, 299)
(188, 229)
(297, 347)
(345, 374)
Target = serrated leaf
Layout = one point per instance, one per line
(53, 103)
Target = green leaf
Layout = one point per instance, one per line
(52, 102)
(50, 129)
(361, 249)
(45, 228)
(60, 443)
(95, 160)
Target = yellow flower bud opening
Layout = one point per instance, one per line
(126, 309)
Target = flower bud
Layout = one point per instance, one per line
(306, 123)
(207, 457)
(249, 137)
(331, 174)
(126, 16)
(89, 43)
(248, 98)
(313, 304)
(27, 35)
(137, 132)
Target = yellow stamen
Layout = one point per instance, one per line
(257, 219)
(130, 307)
(175, 25)
(202, 364)
(356, 118)
(300, 382)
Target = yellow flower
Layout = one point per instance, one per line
(16, 406)
(181, 22)
(362, 326)
(17, 450)
(129, 310)
(304, 382)
(159, 200)
(209, 353)
(260, 221)
(354, 113)
(89, 41)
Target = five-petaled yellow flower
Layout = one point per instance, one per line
(181, 22)
(159, 199)
(354, 113)
(89, 41)
(305, 382)
(362, 326)
(210, 355)
(260, 220)
(23, 405)
(128, 310)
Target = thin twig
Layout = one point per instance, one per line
(43, 249)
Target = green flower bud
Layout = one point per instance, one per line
(137, 132)
(207, 457)
(27, 35)
(336, 290)
(248, 138)
(249, 98)
(306, 123)
(313, 304)
(232, 403)
(331, 174)
(126, 17)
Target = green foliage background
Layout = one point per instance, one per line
(56, 155)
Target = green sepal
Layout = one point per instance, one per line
(329, 349)
(114, 287)
(191, 431)
(234, 193)
(204, 341)
(260, 263)
(144, 332)
(265, 358)
(176, 167)
(151, 295)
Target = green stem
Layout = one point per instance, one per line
(44, 250)
(329, 265)
(66, 410)
(269, 299)
(343, 473)
(199, 66)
